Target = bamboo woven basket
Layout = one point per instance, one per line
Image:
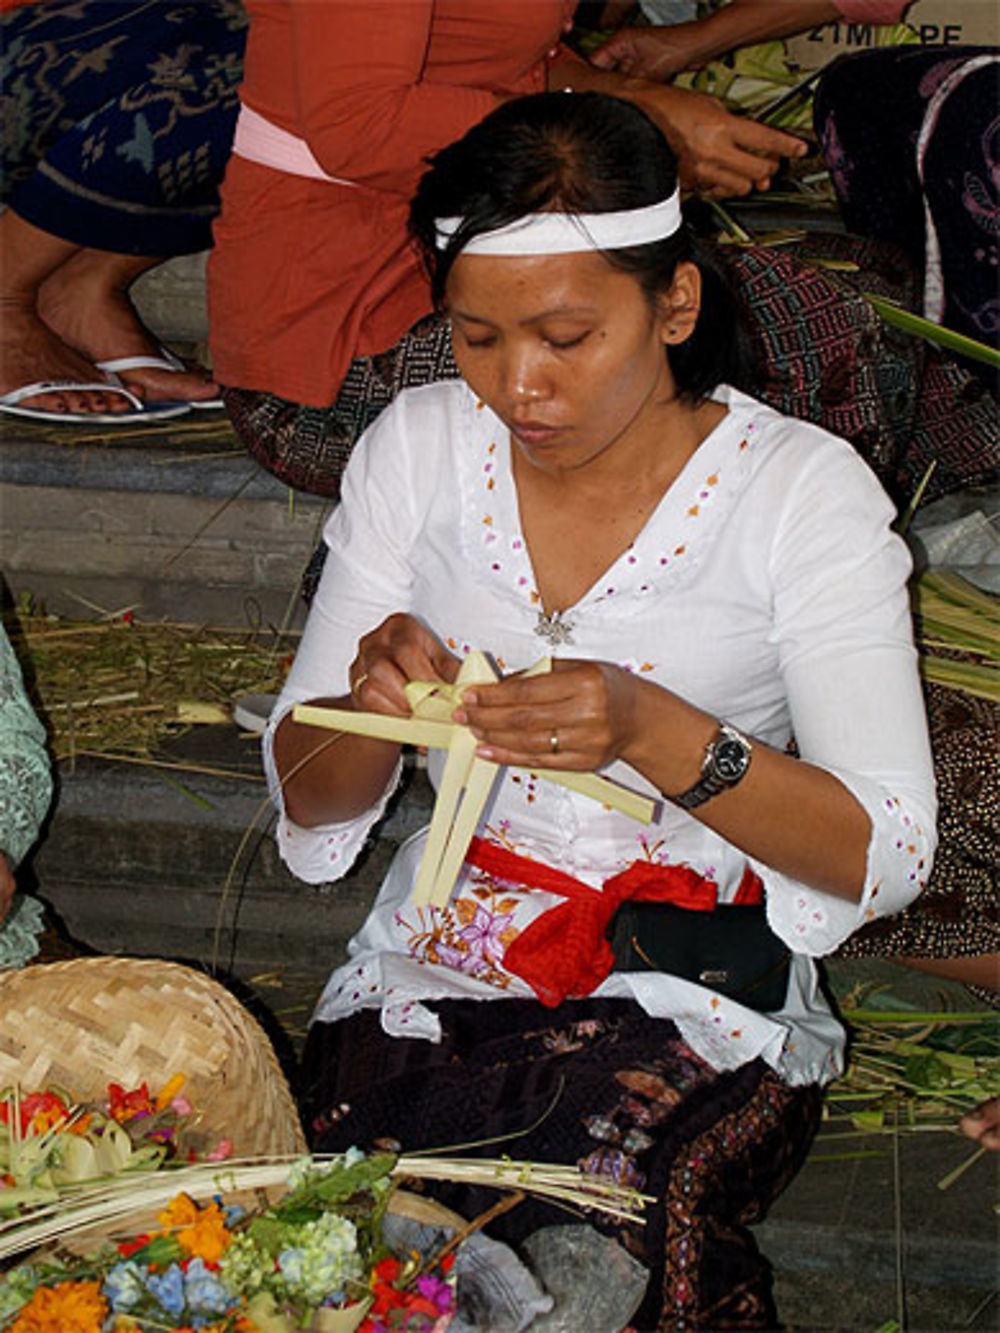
(83, 1023)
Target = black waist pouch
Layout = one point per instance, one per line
(731, 950)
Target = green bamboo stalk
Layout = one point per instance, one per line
(906, 518)
(967, 676)
(908, 322)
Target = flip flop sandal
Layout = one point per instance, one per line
(165, 361)
(10, 403)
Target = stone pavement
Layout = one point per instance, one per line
(173, 519)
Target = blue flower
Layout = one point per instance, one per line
(168, 1288)
(124, 1285)
(205, 1293)
(292, 1264)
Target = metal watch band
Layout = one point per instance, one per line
(711, 782)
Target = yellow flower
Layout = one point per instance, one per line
(201, 1231)
(170, 1090)
(70, 1307)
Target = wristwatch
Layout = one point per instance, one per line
(727, 758)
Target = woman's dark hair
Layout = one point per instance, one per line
(579, 153)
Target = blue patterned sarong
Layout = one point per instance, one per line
(116, 118)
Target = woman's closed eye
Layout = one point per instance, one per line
(564, 343)
(561, 342)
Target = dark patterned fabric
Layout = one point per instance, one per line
(870, 108)
(958, 913)
(827, 357)
(308, 447)
(598, 1083)
(118, 116)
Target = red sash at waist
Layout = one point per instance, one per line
(564, 953)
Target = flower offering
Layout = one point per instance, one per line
(50, 1141)
(313, 1259)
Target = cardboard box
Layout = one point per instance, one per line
(935, 22)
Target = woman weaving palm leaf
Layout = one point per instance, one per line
(713, 579)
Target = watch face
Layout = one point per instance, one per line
(730, 759)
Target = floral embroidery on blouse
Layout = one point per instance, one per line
(526, 783)
(641, 568)
(910, 841)
(471, 934)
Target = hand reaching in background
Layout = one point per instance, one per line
(982, 1125)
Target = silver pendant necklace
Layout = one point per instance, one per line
(553, 629)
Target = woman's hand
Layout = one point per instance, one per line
(401, 649)
(653, 52)
(719, 154)
(580, 716)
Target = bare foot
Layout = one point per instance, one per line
(983, 1124)
(30, 352)
(86, 302)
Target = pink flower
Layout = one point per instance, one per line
(484, 932)
(437, 1291)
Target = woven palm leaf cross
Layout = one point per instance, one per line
(467, 779)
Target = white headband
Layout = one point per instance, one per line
(569, 233)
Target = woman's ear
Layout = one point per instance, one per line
(680, 305)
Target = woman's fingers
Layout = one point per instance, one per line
(570, 718)
(983, 1124)
(719, 154)
(399, 650)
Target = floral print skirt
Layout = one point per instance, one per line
(594, 1082)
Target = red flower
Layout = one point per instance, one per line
(126, 1248)
(387, 1270)
(127, 1105)
(49, 1109)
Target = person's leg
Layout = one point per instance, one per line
(86, 303)
(63, 308)
(121, 117)
(30, 351)
(308, 447)
(973, 970)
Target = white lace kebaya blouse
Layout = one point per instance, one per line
(767, 589)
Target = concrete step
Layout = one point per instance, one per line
(176, 521)
(170, 299)
(181, 863)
